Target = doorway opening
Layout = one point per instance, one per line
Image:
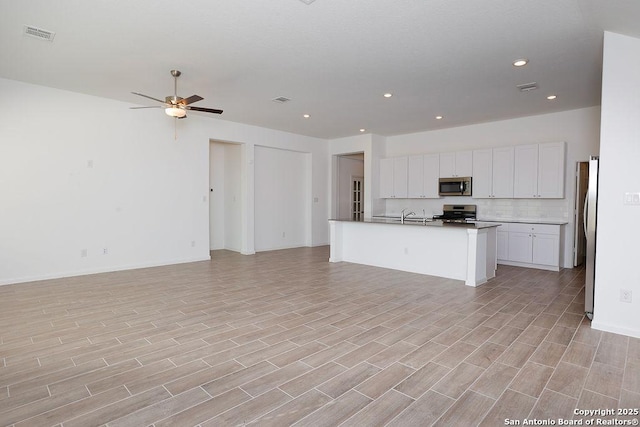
(349, 186)
(225, 201)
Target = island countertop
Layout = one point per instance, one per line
(477, 225)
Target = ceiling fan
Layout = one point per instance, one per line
(175, 106)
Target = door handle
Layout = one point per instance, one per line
(584, 213)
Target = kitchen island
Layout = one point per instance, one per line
(456, 251)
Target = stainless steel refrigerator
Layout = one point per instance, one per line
(590, 223)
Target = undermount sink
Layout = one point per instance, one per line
(409, 219)
(417, 219)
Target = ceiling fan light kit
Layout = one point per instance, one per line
(175, 112)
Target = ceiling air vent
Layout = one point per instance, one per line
(527, 87)
(39, 33)
(281, 99)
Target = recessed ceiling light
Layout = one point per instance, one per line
(438, 117)
(388, 95)
(551, 97)
(362, 130)
(520, 62)
(306, 116)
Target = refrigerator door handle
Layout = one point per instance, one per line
(584, 213)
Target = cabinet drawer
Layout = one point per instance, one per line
(534, 228)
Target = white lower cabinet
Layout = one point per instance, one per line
(529, 245)
(503, 244)
(520, 247)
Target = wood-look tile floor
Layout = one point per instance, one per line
(285, 337)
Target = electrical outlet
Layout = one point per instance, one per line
(406, 251)
(193, 243)
(83, 253)
(625, 295)
(105, 251)
(283, 234)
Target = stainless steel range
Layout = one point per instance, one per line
(458, 214)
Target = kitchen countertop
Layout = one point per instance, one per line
(419, 222)
(527, 220)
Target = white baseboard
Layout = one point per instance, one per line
(606, 327)
(63, 274)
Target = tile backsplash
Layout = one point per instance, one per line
(528, 209)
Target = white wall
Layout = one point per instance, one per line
(618, 233)
(81, 173)
(282, 199)
(578, 128)
(97, 175)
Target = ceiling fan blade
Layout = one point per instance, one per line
(147, 96)
(204, 110)
(190, 100)
(138, 108)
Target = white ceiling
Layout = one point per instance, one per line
(333, 58)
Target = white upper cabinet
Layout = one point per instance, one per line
(423, 174)
(534, 171)
(456, 164)
(393, 178)
(493, 173)
(386, 178)
(502, 172)
(539, 171)
(481, 187)
(415, 185)
(526, 171)
(551, 167)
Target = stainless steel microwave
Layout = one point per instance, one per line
(459, 186)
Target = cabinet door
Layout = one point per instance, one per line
(551, 158)
(400, 169)
(502, 172)
(525, 182)
(545, 249)
(464, 163)
(447, 165)
(520, 248)
(503, 244)
(482, 174)
(415, 177)
(431, 173)
(386, 178)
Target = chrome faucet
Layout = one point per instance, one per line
(404, 215)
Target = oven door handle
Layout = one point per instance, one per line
(461, 187)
